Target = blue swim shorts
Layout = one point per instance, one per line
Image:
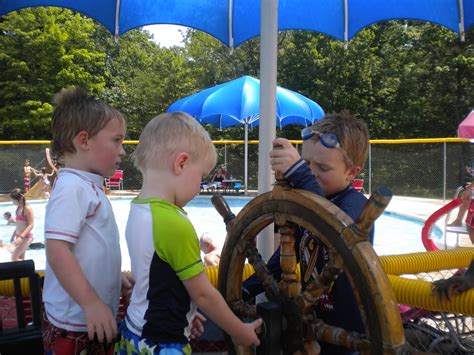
(131, 344)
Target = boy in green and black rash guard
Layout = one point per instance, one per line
(174, 154)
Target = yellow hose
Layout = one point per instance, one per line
(7, 289)
(212, 273)
(416, 263)
(413, 263)
(417, 293)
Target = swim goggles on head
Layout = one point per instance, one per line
(328, 139)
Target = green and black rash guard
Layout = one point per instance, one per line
(164, 251)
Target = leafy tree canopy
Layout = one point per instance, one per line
(43, 50)
(405, 79)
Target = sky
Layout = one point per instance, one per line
(166, 35)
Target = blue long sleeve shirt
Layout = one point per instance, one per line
(338, 307)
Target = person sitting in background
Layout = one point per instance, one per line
(212, 254)
(467, 204)
(219, 175)
(216, 180)
(9, 218)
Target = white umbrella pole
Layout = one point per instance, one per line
(246, 155)
(267, 129)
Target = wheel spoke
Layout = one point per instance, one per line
(243, 309)
(262, 273)
(317, 329)
(322, 283)
(289, 286)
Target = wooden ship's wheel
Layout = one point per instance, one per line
(349, 252)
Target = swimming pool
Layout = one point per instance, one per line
(394, 233)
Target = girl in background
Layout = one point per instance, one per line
(23, 236)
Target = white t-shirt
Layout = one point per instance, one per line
(80, 213)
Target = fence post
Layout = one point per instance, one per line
(370, 168)
(444, 172)
(225, 155)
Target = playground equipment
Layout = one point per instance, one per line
(443, 212)
(350, 251)
(38, 189)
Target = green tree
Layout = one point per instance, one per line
(43, 50)
(406, 79)
(143, 79)
(212, 63)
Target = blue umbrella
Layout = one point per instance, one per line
(237, 102)
(236, 21)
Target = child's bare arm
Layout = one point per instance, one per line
(283, 157)
(29, 227)
(99, 317)
(210, 301)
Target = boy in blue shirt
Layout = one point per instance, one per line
(334, 151)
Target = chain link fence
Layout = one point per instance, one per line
(419, 168)
(416, 168)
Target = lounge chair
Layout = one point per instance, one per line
(358, 185)
(115, 181)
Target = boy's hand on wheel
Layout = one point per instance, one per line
(283, 156)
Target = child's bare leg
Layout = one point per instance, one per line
(465, 201)
(19, 252)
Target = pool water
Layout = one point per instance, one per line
(394, 233)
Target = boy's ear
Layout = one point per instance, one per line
(180, 162)
(81, 140)
(353, 172)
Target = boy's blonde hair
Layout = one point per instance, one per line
(77, 111)
(170, 132)
(352, 133)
